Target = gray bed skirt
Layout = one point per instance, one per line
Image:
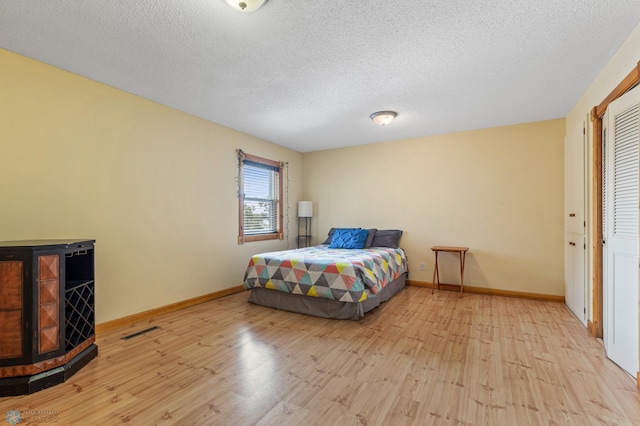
(322, 307)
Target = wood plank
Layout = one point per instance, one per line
(490, 291)
(417, 359)
(10, 333)
(11, 285)
(627, 83)
(597, 242)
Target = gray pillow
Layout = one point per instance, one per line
(370, 237)
(331, 231)
(387, 238)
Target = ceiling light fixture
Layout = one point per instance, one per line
(383, 118)
(246, 5)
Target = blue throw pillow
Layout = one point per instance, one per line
(349, 238)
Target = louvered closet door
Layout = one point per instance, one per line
(621, 231)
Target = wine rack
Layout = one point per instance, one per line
(47, 313)
(79, 314)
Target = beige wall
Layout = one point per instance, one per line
(154, 186)
(498, 191)
(624, 60)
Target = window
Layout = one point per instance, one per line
(260, 193)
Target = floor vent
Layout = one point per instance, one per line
(139, 333)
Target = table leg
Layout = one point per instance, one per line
(436, 274)
(462, 258)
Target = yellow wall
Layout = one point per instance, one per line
(498, 191)
(154, 186)
(624, 60)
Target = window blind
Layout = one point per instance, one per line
(261, 190)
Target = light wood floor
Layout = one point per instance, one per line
(418, 359)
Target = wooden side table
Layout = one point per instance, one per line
(462, 251)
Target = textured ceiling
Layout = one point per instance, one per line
(307, 74)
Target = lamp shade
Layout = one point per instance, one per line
(305, 208)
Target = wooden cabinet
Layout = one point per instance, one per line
(11, 306)
(47, 315)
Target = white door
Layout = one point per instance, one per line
(575, 274)
(579, 293)
(620, 227)
(569, 269)
(574, 179)
(575, 249)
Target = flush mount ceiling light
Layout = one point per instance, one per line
(245, 5)
(383, 118)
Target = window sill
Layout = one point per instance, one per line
(261, 237)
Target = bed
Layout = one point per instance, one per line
(329, 280)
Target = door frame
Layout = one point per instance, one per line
(595, 325)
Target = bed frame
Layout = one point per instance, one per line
(322, 307)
